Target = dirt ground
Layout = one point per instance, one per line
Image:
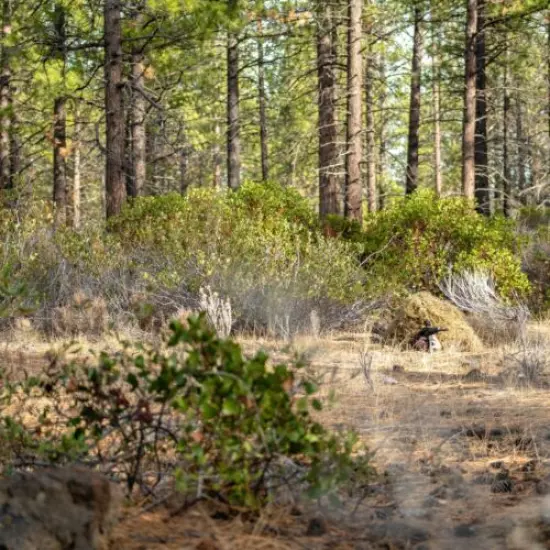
(461, 445)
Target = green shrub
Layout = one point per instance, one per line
(254, 246)
(416, 241)
(221, 424)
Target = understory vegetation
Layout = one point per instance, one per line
(263, 251)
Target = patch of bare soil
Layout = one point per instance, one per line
(462, 452)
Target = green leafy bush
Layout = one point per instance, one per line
(261, 247)
(416, 241)
(197, 412)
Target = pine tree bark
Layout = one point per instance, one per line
(217, 158)
(115, 189)
(262, 104)
(468, 128)
(371, 138)
(60, 126)
(233, 115)
(74, 194)
(506, 175)
(521, 150)
(59, 161)
(482, 191)
(436, 95)
(413, 143)
(382, 143)
(354, 185)
(329, 188)
(5, 98)
(138, 133)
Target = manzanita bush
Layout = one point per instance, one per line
(197, 412)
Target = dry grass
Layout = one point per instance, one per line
(443, 427)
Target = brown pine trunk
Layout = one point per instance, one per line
(5, 99)
(506, 175)
(59, 161)
(60, 127)
(15, 146)
(482, 191)
(371, 142)
(262, 104)
(329, 188)
(138, 136)
(115, 189)
(548, 68)
(413, 143)
(354, 141)
(468, 130)
(233, 115)
(217, 179)
(382, 145)
(74, 189)
(184, 165)
(436, 94)
(521, 150)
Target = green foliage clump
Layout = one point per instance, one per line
(260, 236)
(199, 411)
(418, 240)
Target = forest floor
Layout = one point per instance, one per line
(461, 450)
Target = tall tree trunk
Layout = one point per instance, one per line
(354, 141)
(115, 189)
(5, 98)
(184, 165)
(382, 145)
(468, 130)
(233, 116)
(521, 150)
(371, 142)
(74, 194)
(413, 143)
(482, 191)
(548, 68)
(138, 167)
(436, 95)
(262, 104)
(217, 179)
(15, 146)
(60, 161)
(329, 189)
(60, 126)
(506, 175)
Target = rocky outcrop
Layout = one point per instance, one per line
(57, 509)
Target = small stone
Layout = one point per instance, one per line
(445, 413)
(398, 369)
(543, 488)
(464, 531)
(316, 527)
(389, 380)
(497, 464)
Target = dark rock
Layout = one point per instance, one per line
(464, 531)
(398, 369)
(446, 413)
(316, 527)
(497, 464)
(400, 532)
(502, 483)
(65, 509)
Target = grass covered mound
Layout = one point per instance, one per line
(410, 313)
